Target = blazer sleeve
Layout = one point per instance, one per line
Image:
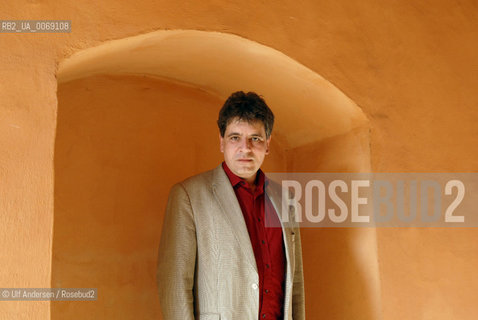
(298, 294)
(177, 257)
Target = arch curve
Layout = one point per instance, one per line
(222, 63)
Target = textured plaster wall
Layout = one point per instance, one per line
(27, 131)
(410, 66)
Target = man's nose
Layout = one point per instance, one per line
(246, 145)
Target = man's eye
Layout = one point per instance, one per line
(234, 138)
(256, 139)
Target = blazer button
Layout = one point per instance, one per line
(254, 286)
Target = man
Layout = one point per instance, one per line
(218, 259)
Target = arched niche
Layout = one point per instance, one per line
(106, 236)
(222, 63)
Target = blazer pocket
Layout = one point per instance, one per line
(209, 316)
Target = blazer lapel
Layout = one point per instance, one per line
(226, 197)
(274, 192)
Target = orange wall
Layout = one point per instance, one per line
(410, 66)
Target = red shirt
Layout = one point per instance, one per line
(267, 243)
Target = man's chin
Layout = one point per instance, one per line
(246, 172)
(247, 169)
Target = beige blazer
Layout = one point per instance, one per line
(206, 265)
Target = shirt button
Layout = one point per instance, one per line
(267, 290)
(254, 286)
(267, 266)
(263, 242)
(263, 315)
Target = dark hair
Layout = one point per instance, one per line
(249, 107)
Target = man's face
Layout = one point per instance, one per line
(244, 146)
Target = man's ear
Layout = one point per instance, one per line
(221, 143)
(268, 141)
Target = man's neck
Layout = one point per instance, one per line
(252, 182)
(252, 186)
